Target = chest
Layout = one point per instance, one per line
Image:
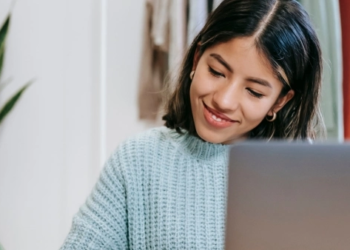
(179, 207)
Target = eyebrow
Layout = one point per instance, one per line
(222, 61)
(251, 79)
(260, 81)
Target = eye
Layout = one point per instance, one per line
(255, 94)
(215, 73)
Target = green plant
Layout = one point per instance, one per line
(13, 100)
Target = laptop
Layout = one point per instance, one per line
(288, 196)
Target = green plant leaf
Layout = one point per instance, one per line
(3, 34)
(11, 102)
(1, 60)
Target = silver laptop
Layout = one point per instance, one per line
(288, 197)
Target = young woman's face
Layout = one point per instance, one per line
(232, 91)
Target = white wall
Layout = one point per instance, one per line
(124, 43)
(50, 145)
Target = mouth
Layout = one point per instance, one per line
(217, 119)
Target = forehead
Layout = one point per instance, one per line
(243, 56)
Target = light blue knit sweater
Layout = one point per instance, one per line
(159, 190)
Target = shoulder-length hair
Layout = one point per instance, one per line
(284, 34)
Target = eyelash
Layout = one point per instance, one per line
(215, 73)
(218, 74)
(255, 94)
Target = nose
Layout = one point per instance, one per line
(227, 98)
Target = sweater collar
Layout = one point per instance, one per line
(198, 148)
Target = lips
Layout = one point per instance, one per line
(217, 119)
(217, 114)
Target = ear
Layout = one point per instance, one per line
(281, 102)
(196, 57)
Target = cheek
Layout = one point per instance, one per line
(194, 94)
(195, 89)
(255, 112)
(201, 85)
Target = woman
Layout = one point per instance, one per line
(253, 71)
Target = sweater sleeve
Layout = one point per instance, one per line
(101, 222)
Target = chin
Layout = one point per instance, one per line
(210, 136)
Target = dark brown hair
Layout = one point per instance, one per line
(283, 33)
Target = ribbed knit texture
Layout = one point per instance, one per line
(159, 190)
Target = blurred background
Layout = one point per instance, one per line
(97, 69)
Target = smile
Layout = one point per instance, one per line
(215, 119)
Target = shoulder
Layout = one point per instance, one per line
(146, 152)
(149, 138)
(146, 144)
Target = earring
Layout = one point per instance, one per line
(273, 117)
(192, 74)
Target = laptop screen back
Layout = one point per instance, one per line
(288, 196)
